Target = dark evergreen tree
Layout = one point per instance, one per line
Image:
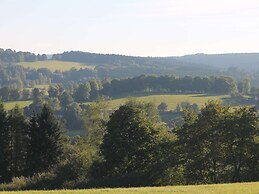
(45, 145)
(4, 146)
(17, 127)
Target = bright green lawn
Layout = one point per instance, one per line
(55, 65)
(21, 104)
(171, 100)
(240, 188)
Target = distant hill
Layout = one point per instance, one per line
(122, 66)
(246, 61)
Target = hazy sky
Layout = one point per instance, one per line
(131, 27)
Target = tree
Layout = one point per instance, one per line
(45, 141)
(96, 117)
(246, 86)
(241, 132)
(17, 127)
(73, 116)
(4, 146)
(201, 142)
(162, 106)
(218, 144)
(82, 93)
(65, 99)
(131, 145)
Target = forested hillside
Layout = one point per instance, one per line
(244, 61)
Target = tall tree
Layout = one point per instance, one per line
(246, 86)
(131, 145)
(4, 146)
(45, 145)
(201, 144)
(219, 144)
(19, 138)
(96, 117)
(242, 155)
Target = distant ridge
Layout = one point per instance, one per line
(246, 61)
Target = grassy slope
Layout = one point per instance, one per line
(239, 188)
(21, 104)
(171, 100)
(55, 65)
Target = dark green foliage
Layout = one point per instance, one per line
(45, 142)
(17, 127)
(65, 99)
(12, 56)
(73, 116)
(132, 146)
(96, 117)
(218, 145)
(82, 93)
(162, 106)
(242, 147)
(4, 146)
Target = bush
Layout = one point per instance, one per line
(18, 183)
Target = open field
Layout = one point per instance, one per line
(172, 100)
(238, 188)
(55, 65)
(21, 104)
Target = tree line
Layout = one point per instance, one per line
(132, 147)
(9, 56)
(28, 146)
(91, 89)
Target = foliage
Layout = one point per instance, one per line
(162, 106)
(218, 145)
(132, 144)
(9, 55)
(45, 129)
(95, 119)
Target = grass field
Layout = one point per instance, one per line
(239, 188)
(21, 104)
(55, 65)
(171, 100)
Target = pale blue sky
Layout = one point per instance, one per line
(131, 27)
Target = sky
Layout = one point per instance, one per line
(130, 27)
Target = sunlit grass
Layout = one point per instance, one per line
(55, 65)
(21, 104)
(172, 100)
(238, 188)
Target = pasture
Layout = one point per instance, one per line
(53, 65)
(21, 104)
(172, 100)
(237, 188)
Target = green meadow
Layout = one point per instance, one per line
(237, 188)
(55, 65)
(21, 104)
(170, 100)
(173, 99)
